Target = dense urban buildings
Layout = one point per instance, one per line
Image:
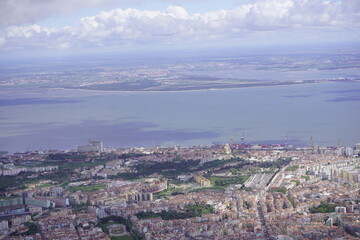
(231, 191)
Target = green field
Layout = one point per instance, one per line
(215, 188)
(88, 188)
(226, 181)
(126, 237)
(280, 190)
(191, 211)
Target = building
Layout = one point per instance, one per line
(92, 146)
(204, 182)
(349, 151)
(227, 149)
(184, 178)
(11, 202)
(4, 225)
(340, 209)
(38, 202)
(156, 186)
(16, 221)
(357, 146)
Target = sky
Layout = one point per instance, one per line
(35, 26)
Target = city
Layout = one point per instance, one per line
(179, 120)
(223, 191)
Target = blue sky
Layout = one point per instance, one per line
(72, 25)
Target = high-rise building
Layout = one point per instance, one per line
(357, 146)
(349, 151)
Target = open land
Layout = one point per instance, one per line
(184, 74)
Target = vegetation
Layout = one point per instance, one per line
(296, 181)
(72, 161)
(105, 222)
(125, 237)
(218, 163)
(292, 168)
(172, 169)
(281, 190)
(292, 201)
(33, 229)
(65, 156)
(79, 207)
(306, 177)
(247, 204)
(279, 163)
(215, 188)
(46, 185)
(234, 171)
(169, 169)
(15, 182)
(21, 180)
(191, 211)
(67, 162)
(323, 208)
(87, 188)
(200, 209)
(226, 181)
(170, 190)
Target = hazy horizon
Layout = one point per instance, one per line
(36, 28)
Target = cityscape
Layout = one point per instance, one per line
(179, 120)
(229, 191)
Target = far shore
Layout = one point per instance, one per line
(205, 89)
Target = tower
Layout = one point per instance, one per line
(243, 138)
(311, 142)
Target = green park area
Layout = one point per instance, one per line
(87, 188)
(226, 181)
(323, 208)
(292, 168)
(280, 190)
(104, 223)
(190, 211)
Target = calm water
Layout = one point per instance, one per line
(62, 119)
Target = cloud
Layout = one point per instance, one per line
(175, 24)
(37, 36)
(2, 41)
(351, 6)
(13, 12)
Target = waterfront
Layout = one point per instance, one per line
(61, 119)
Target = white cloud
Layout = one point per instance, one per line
(37, 36)
(176, 24)
(13, 12)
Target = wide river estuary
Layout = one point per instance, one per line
(61, 119)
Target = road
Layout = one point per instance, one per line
(262, 219)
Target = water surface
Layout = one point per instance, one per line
(62, 119)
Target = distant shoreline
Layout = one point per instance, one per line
(213, 89)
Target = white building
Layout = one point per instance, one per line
(349, 151)
(4, 225)
(92, 146)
